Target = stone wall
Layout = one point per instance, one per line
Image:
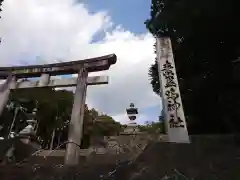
(207, 157)
(103, 150)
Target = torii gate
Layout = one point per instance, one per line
(15, 80)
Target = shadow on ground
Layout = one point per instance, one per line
(206, 158)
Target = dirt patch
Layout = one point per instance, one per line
(206, 158)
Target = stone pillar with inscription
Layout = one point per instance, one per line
(176, 126)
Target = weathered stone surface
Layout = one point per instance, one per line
(22, 150)
(206, 158)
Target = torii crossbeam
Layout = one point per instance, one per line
(15, 80)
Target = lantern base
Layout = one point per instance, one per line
(131, 128)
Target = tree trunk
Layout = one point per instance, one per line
(53, 136)
(59, 138)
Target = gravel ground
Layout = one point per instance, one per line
(206, 158)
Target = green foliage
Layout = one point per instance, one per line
(205, 40)
(153, 127)
(54, 114)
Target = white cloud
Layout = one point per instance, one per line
(41, 31)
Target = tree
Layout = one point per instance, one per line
(205, 40)
(152, 127)
(53, 115)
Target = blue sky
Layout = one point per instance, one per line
(42, 31)
(152, 112)
(131, 14)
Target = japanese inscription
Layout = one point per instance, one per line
(175, 122)
(168, 74)
(44, 69)
(172, 97)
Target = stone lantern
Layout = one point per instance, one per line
(29, 130)
(132, 113)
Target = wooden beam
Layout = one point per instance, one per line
(91, 65)
(94, 80)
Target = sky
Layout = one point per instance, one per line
(47, 31)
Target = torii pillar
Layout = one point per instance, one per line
(82, 67)
(76, 123)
